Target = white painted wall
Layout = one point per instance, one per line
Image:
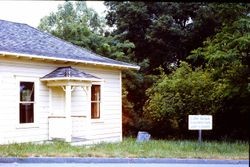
(107, 128)
(79, 110)
(57, 101)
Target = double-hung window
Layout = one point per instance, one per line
(95, 101)
(26, 104)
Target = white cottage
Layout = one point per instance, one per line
(51, 89)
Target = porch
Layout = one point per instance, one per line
(70, 104)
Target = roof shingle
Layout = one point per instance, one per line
(24, 39)
(69, 72)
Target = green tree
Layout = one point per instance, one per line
(76, 23)
(181, 93)
(166, 32)
(228, 54)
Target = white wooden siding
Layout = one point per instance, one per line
(57, 101)
(79, 106)
(107, 128)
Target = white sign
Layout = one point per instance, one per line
(200, 122)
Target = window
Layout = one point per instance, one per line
(95, 101)
(26, 104)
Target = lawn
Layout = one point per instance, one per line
(130, 148)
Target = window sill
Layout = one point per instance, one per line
(27, 126)
(97, 121)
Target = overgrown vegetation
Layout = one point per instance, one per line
(132, 149)
(194, 58)
(213, 40)
(222, 77)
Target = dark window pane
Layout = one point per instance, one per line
(27, 91)
(95, 98)
(26, 113)
(95, 110)
(95, 93)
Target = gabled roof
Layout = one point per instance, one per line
(24, 40)
(69, 73)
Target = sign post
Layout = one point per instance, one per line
(200, 122)
(200, 136)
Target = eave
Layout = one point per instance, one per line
(38, 57)
(72, 79)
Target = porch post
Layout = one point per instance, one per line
(68, 131)
(50, 101)
(50, 111)
(89, 128)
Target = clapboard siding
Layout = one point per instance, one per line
(57, 101)
(109, 127)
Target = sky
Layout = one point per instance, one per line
(30, 12)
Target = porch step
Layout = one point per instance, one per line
(80, 141)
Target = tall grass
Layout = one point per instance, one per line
(130, 148)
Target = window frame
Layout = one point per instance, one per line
(33, 124)
(23, 102)
(96, 102)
